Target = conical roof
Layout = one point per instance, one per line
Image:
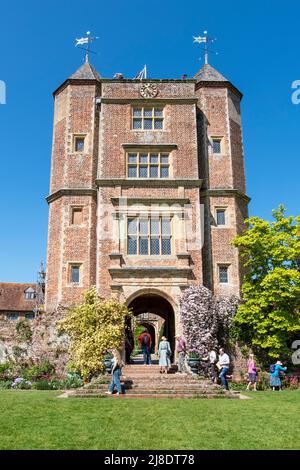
(209, 74)
(86, 72)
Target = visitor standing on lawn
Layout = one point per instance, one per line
(181, 351)
(117, 365)
(275, 380)
(145, 341)
(252, 372)
(224, 363)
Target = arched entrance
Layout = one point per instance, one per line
(155, 304)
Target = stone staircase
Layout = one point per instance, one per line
(139, 381)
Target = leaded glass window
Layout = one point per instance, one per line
(148, 165)
(148, 118)
(149, 236)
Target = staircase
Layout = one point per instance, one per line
(141, 381)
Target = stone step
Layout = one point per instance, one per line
(169, 386)
(152, 395)
(156, 391)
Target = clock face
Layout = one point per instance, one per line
(148, 90)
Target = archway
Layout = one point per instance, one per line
(154, 303)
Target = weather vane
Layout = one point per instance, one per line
(206, 40)
(86, 40)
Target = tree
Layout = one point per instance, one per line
(94, 326)
(269, 317)
(206, 320)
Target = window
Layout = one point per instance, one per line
(75, 274)
(29, 316)
(221, 217)
(149, 236)
(217, 145)
(29, 294)
(76, 218)
(12, 316)
(144, 119)
(223, 274)
(148, 165)
(79, 143)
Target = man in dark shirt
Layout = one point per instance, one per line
(145, 341)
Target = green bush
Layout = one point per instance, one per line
(5, 384)
(42, 385)
(263, 382)
(38, 371)
(4, 367)
(237, 386)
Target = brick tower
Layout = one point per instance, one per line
(147, 190)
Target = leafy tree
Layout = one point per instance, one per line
(94, 326)
(269, 318)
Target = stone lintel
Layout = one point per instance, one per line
(167, 146)
(224, 193)
(146, 200)
(150, 270)
(71, 192)
(149, 183)
(149, 101)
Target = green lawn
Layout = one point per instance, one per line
(39, 420)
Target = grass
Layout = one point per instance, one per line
(39, 420)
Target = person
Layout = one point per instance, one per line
(117, 365)
(224, 363)
(145, 341)
(275, 380)
(181, 350)
(164, 355)
(213, 361)
(252, 372)
(128, 350)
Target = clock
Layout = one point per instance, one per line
(148, 90)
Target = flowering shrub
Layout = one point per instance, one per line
(225, 308)
(205, 320)
(291, 381)
(22, 384)
(93, 327)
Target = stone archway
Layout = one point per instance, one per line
(158, 305)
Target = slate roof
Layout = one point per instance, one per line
(209, 74)
(12, 297)
(86, 72)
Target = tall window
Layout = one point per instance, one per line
(147, 118)
(76, 217)
(79, 143)
(217, 145)
(149, 236)
(221, 217)
(75, 273)
(148, 165)
(223, 275)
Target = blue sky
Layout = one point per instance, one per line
(258, 51)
